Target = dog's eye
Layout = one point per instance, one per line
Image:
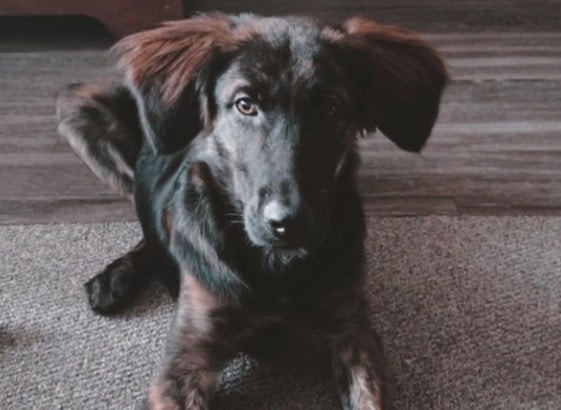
(329, 108)
(246, 106)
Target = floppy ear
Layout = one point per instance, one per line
(163, 71)
(399, 80)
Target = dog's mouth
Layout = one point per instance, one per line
(279, 257)
(282, 247)
(281, 252)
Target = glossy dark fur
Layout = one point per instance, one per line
(238, 135)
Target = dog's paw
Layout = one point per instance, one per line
(111, 289)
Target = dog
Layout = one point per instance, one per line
(236, 139)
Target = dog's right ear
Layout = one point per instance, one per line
(162, 67)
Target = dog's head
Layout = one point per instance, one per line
(282, 101)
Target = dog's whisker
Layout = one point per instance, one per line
(233, 224)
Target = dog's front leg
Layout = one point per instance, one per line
(199, 344)
(357, 355)
(186, 383)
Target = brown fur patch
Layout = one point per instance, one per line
(157, 399)
(403, 54)
(88, 91)
(172, 54)
(167, 222)
(200, 176)
(199, 299)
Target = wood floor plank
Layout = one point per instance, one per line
(445, 15)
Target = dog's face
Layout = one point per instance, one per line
(282, 124)
(282, 101)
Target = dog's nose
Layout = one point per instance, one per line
(278, 217)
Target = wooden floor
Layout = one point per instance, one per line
(495, 150)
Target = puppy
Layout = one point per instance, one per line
(236, 138)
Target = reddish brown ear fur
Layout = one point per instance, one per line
(161, 67)
(402, 79)
(172, 54)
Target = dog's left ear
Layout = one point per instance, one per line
(398, 80)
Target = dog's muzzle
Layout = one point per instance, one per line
(281, 225)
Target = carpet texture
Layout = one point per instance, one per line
(469, 310)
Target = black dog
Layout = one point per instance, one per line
(236, 136)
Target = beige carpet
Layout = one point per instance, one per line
(469, 310)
